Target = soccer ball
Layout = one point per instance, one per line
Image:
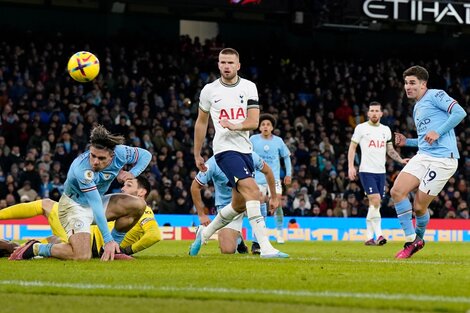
(83, 66)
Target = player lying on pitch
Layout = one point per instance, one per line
(142, 235)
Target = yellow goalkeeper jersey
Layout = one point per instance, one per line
(143, 235)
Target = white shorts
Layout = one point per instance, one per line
(431, 171)
(74, 217)
(265, 188)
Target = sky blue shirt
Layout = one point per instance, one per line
(430, 113)
(223, 193)
(271, 151)
(86, 187)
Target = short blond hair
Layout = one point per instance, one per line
(230, 51)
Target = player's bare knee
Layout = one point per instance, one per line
(397, 193)
(47, 205)
(82, 256)
(227, 248)
(251, 195)
(374, 202)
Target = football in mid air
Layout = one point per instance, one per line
(83, 66)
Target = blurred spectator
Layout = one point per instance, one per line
(152, 99)
(26, 193)
(31, 176)
(167, 205)
(292, 224)
(46, 186)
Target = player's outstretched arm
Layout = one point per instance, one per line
(198, 203)
(152, 235)
(141, 159)
(392, 153)
(401, 141)
(111, 247)
(457, 114)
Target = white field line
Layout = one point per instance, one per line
(391, 261)
(342, 260)
(277, 292)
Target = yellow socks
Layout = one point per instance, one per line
(22, 210)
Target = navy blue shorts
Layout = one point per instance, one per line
(373, 183)
(235, 166)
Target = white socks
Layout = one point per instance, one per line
(224, 217)
(259, 227)
(373, 222)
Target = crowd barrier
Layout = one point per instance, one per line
(183, 227)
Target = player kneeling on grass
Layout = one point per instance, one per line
(81, 204)
(230, 235)
(142, 235)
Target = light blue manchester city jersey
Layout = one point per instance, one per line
(223, 193)
(271, 151)
(429, 113)
(81, 178)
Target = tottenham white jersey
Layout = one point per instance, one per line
(373, 141)
(231, 102)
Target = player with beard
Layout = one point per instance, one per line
(375, 140)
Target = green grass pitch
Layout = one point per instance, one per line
(319, 277)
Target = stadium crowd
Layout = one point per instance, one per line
(148, 91)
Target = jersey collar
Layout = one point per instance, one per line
(230, 85)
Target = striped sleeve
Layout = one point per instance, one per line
(139, 158)
(449, 109)
(457, 114)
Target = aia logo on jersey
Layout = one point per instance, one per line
(376, 143)
(232, 114)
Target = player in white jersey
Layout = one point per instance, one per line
(375, 140)
(228, 236)
(435, 115)
(271, 148)
(89, 177)
(232, 103)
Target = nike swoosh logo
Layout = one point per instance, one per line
(217, 100)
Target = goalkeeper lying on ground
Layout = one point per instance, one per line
(144, 234)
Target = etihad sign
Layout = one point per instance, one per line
(419, 11)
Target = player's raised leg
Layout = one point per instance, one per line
(22, 210)
(125, 210)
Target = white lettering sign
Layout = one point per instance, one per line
(419, 11)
